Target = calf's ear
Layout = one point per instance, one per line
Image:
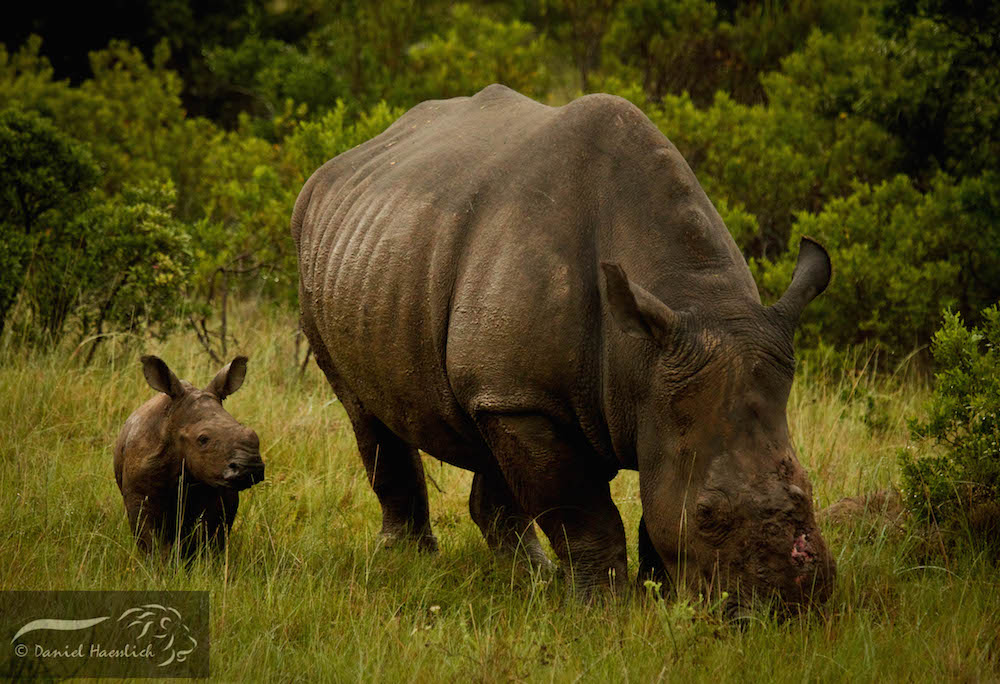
(229, 379)
(636, 311)
(160, 377)
(811, 276)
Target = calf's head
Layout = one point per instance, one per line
(725, 500)
(199, 433)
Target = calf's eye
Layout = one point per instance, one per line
(202, 440)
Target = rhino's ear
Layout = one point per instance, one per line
(811, 276)
(229, 379)
(636, 311)
(160, 377)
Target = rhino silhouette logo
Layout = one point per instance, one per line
(171, 637)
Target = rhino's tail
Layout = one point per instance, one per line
(299, 212)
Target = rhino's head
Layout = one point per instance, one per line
(724, 498)
(214, 448)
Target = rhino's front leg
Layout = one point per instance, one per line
(143, 518)
(507, 529)
(220, 513)
(559, 485)
(651, 566)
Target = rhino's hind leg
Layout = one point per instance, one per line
(571, 502)
(507, 529)
(396, 475)
(394, 469)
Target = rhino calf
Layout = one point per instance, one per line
(181, 460)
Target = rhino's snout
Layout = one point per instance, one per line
(251, 443)
(243, 472)
(802, 551)
(245, 467)
(814, 569)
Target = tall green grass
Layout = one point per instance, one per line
(304, 592)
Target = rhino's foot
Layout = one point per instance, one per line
(507, 529)
(529, 551)
(651, 566)
(425, 542)
(540, 561)
(572, 503)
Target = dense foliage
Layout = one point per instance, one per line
(41, 170)
(872, 127)
(955, 477)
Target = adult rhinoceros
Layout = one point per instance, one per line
(463, 285)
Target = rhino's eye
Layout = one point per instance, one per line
(203, 440)
(714, 522)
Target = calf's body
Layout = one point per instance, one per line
(181, 460)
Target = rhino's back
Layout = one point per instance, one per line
(450, 264)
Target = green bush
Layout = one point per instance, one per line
(954, 474)
(797, 117)
(82, 243)
(121, 265)
(919, 86)
(773, 162)
(313, 143)
(117, 264)
(476, 51)
(695, 47)
(126, 114)
(273, 71)
(357, 52)
(900, 256)
(42, 171)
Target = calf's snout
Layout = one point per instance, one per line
(245, 468)
(251, 442)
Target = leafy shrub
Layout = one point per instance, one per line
(919, 86)
(356, 52)
(237, 189)
(956, 473)
(273, 71)
(695, 47)
(773, 162)
(313, 143)
(126, 113)
(788, 136)
(42, 171)
(900, 256)
(476, 51)
(86, 243)
(110, 265)
(121, 265)
(578, 27)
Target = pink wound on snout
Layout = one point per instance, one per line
(801, 551)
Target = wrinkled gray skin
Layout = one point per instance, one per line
(185, 430)
(463, 285)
